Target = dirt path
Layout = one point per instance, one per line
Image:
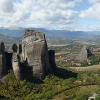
(94, 67)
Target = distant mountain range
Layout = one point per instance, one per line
(17, 33)
(53, 37)
(8, 39)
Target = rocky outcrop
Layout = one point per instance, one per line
(84, 54)
(3, 67)
(13, 48)
(19, 48)
(16, 66)
(4, 79)
(14, 51)
(89, 53)
(35, 52)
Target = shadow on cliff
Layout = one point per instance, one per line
(65, 74)
(28, 75)
(8, 60)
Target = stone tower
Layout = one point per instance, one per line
(35, 53)
(84, 54)
(16, 66)
(3, 66)
(15, 51)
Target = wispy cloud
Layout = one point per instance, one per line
(92, 13)
(91, 28)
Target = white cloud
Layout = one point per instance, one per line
(37, 13)
(67, 27)
(92, 13)
(57, 17)
(6, 6)
(94, 1)
(91, 28)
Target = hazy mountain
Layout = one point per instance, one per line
(8, 39)
(18, 33)
(49, 33)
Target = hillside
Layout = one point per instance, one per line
(8, 39)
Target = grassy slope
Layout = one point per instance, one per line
(53, 87)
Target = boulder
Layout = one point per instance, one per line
(4, 79)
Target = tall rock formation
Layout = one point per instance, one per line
(16, 66)
(15, 51)
(84, 54)
(13, 48)
(3, 67)
(35, 53)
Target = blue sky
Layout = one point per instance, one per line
(73, 15)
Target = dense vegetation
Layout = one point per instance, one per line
(95, 59)
(75, 86)
(67, 84)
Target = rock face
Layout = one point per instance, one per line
(14, 51)
(84, 54)
(16, 66)
(13, 48)
(3, 67)
(35, 52)
(19, 49)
